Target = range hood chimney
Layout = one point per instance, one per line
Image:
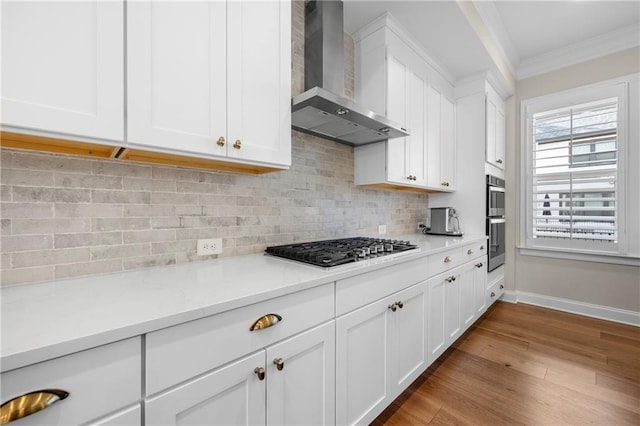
(322, 110)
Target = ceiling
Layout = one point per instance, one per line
(533, 36)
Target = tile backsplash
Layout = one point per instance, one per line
(63, 216)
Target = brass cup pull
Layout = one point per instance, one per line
(220, 141)
(279, 363)
(479, 265)
(447, 259)
(237, 144)
(393, 307)
(260, 372)
(265, 321)
(400, 304)
(30, 403)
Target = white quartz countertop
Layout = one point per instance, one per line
(46, 320)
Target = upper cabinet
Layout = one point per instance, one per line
(495, 129)
(395, 81)
(210, 79)
(208, 84)
(62, 68)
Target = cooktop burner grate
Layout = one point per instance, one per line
(329, 253)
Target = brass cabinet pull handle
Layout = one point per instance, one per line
(499, 161)
(260, 372)
(400, 304)
(265, 321)
(279, 363)
(220, 141)
(447, 259)
(393, 307)
(29, 403)
(237, 144)
(479, 265)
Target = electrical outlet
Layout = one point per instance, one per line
(382, 229)
(209, 246)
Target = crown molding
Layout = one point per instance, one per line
(606, 44)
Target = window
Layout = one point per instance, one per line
(574, 194)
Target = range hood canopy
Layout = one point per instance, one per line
(322, 110)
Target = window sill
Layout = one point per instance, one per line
(630, 260)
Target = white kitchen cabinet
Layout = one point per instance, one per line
(441, 143)
(62, 69)
(99, 382)
(380, 350)
(495, 129)
(495, 290)
(290, 383)
(210, 79)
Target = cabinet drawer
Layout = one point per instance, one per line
(445, 260)
(178, 353)
(353, 292)
(99, 381)
(495, 290)
(474, 250)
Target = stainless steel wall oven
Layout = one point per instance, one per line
(495, 221)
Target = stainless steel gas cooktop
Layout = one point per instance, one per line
(341, 251)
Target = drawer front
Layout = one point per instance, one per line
(354, 292)
(178, 353)
(446, 260)
(495, 290)
(475, 250)
(99, 381)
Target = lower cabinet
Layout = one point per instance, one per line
(454, 303)
(380, 350)
(289, 383)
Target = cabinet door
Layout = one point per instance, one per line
(409, 346)
(302, 391)
(397, 111)
(259, 81)
(453, 306)
(362, 364)
(434, 138)
(467, 296)
(480, 285)
(62, 67)
(436, 339)
(490, 129)
(232, 395)
(448, 148)
(500, 139)
(416, 142)
(176, 71)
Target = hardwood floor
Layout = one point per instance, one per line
(522, 364)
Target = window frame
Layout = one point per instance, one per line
(614, 253)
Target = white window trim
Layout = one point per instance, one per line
(616, 87)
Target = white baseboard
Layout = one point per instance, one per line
(574, 307)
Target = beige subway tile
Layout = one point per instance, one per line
(88, 268)
(186, 210)
(146, 210)
(148, 261)
(27, 275)
(6, 193)
(23, 177)
(120, 251)
(182, 246)
(49, 257)
(173, 198)
(176, 174)
(196, 233)
(6, 158)
(50, 162)
(12, 243)
(87, 239)
(124, 197)
(217, 200)
(131, 237)
(5, 227)
(59, 195)
(148, 184)
(50, 226)
(71, 180)
(196, 187)
(88, 210)
(119, 224)
(5, 261)
(167, 222)
(26, 210)
(118, 168)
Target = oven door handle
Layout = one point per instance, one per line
(496, 189)
(498, 220)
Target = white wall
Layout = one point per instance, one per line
(608, 285)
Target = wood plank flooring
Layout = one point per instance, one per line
(522, 364)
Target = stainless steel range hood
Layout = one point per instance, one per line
(322, 110)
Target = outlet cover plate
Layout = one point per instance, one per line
(209, 246)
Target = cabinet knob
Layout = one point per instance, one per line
(412, 177)
(260, 372)
(501, 287)
(469, 252)
(220, 141)
(481, 248)
(29, 403)
(479, 265)
(499, 161)
(445, 183)
(279, 363)
(393, 307)
(447, 259)
(493, 294)
(400, 304)
(450, 279)
(237, 144)
(265, 321)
